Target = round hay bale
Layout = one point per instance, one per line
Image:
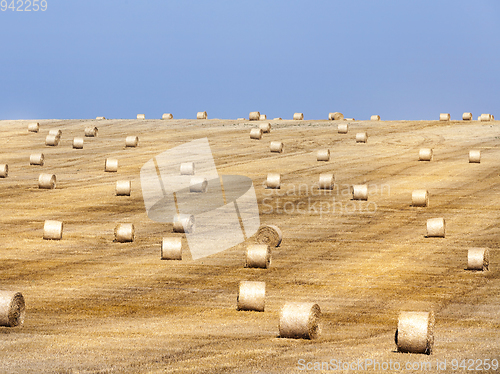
(141, 116)
(251, 296)
(111, 165)
(474, 156)
(323, 155)
(77, 143)
(478, 259)
(187, 168)
(52, 230)
(167, 116)
(269, 235)
(265, 127)
(467, 116)
(300, 321)
(254, 116)
(420, 198)
(361, 137)
(485, 117)
(360, 192)
(258, 256)
(343, 128)
(240, 119)
(33, 127)
(262, 117)
(256, 134)
(57, 133)
(277, 147)
(201, 115)
(349, 119)
(277, 119)
(273, 180)
(100, 118)
(436, 228)
(37, 159)
(4, 170)
(124, 232)
(52, 140)
(375, 117)
(492, 117)
(131, 141)
(198, 184)
(425, 154)
(123, 188)
(184, 223)
(91, 132)
(415, 333)
(326, 181)
(47, 181)
(335, 116)
(171, 248)
(12, 309)
(444, 116)
(298, 116)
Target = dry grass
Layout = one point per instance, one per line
(97, 306)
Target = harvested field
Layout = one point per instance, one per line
(98, 306)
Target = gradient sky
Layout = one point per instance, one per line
(401, 59)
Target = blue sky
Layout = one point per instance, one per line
(401, 59)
